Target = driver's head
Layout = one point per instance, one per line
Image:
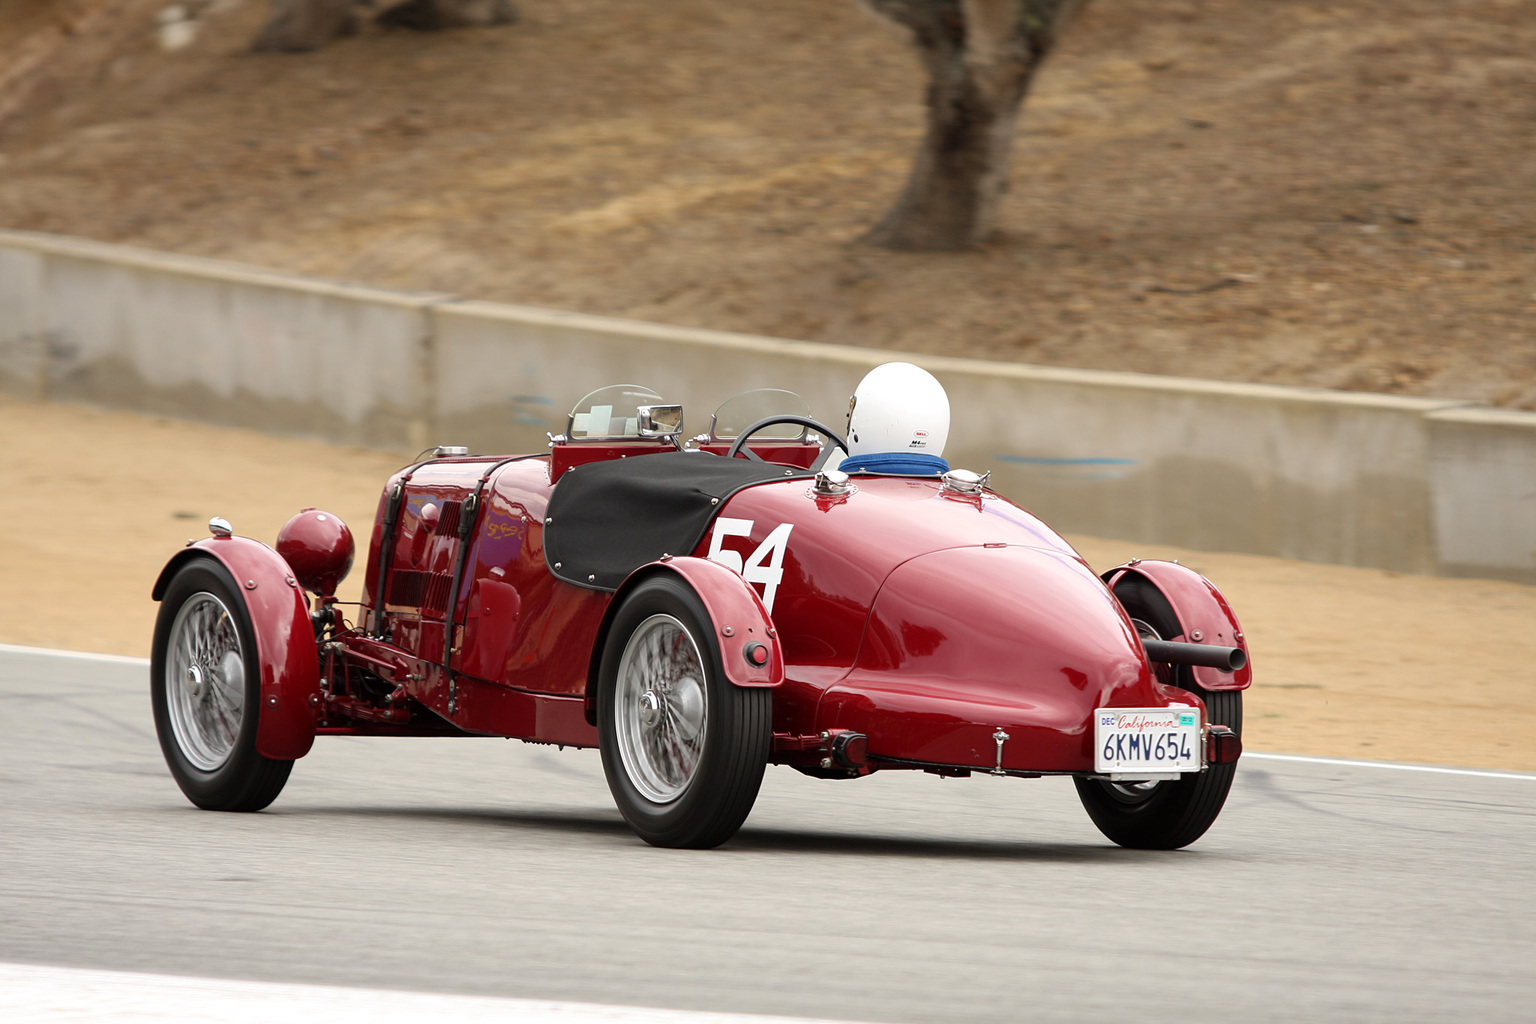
(898, 407)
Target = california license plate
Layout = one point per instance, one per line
(1146, 741)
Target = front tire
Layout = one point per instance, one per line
(205, 685)
(683, 748)
(1164, 815)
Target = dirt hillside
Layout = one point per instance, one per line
(1348, 662)
(1325, 193)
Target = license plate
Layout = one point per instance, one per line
(1146, 741)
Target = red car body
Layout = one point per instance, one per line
(945, 629)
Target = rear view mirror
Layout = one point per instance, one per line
(660, 420)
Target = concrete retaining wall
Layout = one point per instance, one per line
(1409, 484)
(213, 341)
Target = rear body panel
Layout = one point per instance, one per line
(930, 620)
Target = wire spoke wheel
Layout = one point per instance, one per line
(205, 681)
(205, 685)
(683, 748)
(662, 710)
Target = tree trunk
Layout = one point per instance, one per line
(429, 15)
(980, 56)
(300, 25)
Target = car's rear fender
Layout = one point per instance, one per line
(1203, 614)
(285, 639)
(735, 611)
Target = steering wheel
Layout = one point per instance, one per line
(739, 446)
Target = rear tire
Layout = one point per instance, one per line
(683, 748)
(1164, 815)
(205, 686)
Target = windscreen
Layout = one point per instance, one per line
(738, 413)
(610, 413)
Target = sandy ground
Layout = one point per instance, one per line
(1349, 662)
(1333, 193)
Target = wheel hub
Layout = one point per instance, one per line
(195, 680)
(650, 709)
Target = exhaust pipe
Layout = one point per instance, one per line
(1227, 659)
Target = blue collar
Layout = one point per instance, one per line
(899, 463)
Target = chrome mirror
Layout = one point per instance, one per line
(660, 420)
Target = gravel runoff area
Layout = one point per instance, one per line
(1334, 194)
(1355, 663)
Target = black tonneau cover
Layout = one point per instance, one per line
(609, 518)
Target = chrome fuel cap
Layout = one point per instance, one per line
(963, 481)
(831, 481)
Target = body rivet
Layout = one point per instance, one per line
(729, 631)
(250, 584)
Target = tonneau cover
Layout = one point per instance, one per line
(607, 519)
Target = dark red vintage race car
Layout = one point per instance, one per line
(698, 610)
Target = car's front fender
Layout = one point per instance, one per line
(285, 639)
(1203, 614)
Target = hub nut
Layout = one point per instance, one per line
(650, 709)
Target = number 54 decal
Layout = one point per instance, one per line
(765, 565)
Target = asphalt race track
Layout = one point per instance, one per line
(1335, 892)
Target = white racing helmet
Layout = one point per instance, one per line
(898, 407)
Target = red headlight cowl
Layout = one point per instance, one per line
(318, 548)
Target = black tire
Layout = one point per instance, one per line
(684, 757)
(209, 743)
(1164, 815)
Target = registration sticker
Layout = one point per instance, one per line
(1146, 740)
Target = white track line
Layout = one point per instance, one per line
(50, 652)
(1393, 765)
(67, 995)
